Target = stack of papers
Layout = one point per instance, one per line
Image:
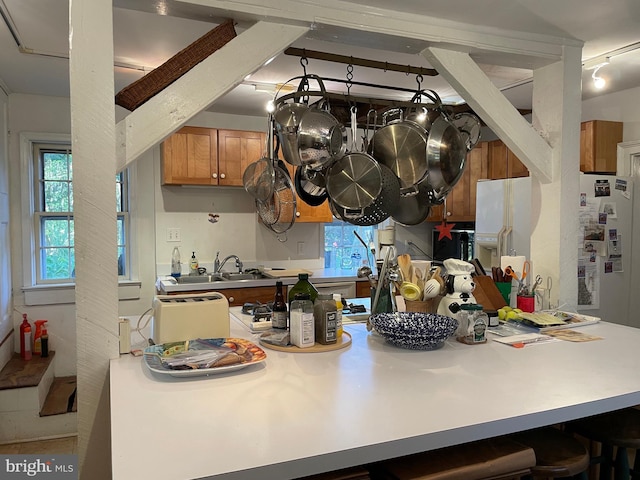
(519, 341)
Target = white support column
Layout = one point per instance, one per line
(556, 111)
(94, 169)
(466, 77)
(200, 87)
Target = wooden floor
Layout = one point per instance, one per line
(66, 445)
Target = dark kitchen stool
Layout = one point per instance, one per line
(496, 458)
(620, 430)
(558, 455)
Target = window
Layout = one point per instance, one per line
(53, 237)
(342, 249)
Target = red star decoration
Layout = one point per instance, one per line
(445, 230)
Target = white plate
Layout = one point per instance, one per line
(153, 360)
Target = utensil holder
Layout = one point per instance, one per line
(425, 306)
(526, 303)
(505, 291)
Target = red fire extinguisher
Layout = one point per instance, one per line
(25, 338)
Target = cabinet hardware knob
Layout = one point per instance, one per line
(215, 175)
(297, 214)
(231, 299)
(222, 175)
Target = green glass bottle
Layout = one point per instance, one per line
(303, 286)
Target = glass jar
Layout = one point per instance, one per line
(472, 327)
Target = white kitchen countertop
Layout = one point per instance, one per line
(298, 414)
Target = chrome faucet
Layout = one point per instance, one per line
(217, 264)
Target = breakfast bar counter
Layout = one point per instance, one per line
(297, 414)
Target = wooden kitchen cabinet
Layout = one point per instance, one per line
(236, 150)
(190, 157)
(503, 163)
(460, 204)
(598, 146)
(306, 213)
(207, 156)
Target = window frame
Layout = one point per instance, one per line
(51, 290)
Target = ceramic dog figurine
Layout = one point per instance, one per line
(459, 287)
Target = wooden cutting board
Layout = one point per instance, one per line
(487, 294)
(292, 272)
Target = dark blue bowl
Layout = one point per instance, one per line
(414, 330)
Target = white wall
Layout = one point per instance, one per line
(617, 107)
(40, 114)
(6, 324)
(238, 231)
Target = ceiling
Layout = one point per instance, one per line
(144, 39)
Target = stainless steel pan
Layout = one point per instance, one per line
(446, 154)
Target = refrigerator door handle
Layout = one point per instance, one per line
(503, 237)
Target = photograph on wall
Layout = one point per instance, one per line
(621, 185)
(588, 284)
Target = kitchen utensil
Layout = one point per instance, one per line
(310, 134)
(431, 289)
(310, 186)
(259, 177)
(402, 146)
(446, 154)
(469, 126)
(404, 264)
(381, 208)
(413, 209)
(381, 285)
(355, 180)
(410, 291)
(278, 213)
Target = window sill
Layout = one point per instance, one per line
(66, 293)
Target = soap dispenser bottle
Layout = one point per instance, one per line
(193, 265)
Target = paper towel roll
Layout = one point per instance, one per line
(515, 262)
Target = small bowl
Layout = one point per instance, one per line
(414, 330)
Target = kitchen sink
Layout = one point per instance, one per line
(200, 278)
(242, 276)
(219, 277)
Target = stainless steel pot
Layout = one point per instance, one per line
(446, 155)
(413, 209)
(310, 186)
(402, 146)
(287, 118)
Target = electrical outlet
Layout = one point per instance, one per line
(300, 248)
(173, 234)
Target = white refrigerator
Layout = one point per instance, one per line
(503, 220)
(605, 247)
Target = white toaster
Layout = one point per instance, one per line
(189, 316)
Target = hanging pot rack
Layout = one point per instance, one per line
(361, 62)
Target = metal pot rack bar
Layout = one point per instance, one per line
(361, 62)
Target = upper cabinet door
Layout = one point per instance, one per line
(598, 146)
(503, 163)
(236, 150)
(190, 156)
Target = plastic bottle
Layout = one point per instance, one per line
(324, 318)
(338, 299)
(301, 323)
(279, 315)
(45, 343)
(176, 269)
(37, 338)
(25, 338)
(303, 286)
(193, 265)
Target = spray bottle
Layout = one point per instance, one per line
(37, 338)
(25, 338)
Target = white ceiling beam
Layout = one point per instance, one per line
(521, 48)
(223, 70)
(466, 77)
